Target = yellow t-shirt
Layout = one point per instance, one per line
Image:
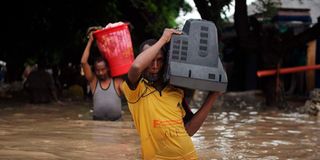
(158, 120)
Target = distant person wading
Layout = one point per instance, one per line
(105, 89)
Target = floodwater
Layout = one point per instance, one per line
(54, 132)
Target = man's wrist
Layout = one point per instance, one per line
(163, 40)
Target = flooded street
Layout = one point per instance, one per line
(63, 132)
(263, 136)
(66, 132)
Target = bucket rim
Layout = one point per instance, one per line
(112, 29)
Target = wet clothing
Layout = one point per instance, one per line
(106, 103)
(158, 118)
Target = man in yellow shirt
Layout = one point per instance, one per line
(156, 106)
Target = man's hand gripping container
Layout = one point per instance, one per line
(194, 61)
(115, 45)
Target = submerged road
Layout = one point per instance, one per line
(54, 132)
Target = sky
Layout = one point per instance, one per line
(195, 14)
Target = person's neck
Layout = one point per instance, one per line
(105, 80)
(158, 85)
(105, 83)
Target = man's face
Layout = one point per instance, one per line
(156, 64)
(101, 70)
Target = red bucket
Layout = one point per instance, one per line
(116, 47)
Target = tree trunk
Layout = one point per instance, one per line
(211, 10)
(241, 22)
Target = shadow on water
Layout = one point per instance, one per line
(236, 129)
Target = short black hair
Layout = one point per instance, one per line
(151, 42)
(100, 59)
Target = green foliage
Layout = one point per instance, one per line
(224, 17)
(267, 8)
(213, 10)
(56, 30)
(186, 7)
(160, 14)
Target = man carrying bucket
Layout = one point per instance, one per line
(156, 106)
(105, 89)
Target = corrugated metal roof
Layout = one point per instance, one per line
(313, 5)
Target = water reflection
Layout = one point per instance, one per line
(55, 132)
(264, 135)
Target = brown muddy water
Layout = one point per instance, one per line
(56, 132)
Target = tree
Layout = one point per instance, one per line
(256, 46)
(274, 46)
(267, 8)
(56, 29)
(150, 17)
(211, 10)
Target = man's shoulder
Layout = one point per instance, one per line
(117, 80)
(132, 86)
(174, 88)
